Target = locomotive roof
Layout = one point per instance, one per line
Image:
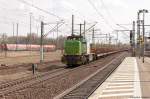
(74, 36)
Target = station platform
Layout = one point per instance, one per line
(131, 80)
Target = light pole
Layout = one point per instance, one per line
(133, 39)
(30, 31)
(138, 34)
(143, 27)
(41, 43)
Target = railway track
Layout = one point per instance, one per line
(87, 86)
(26, 64)
(26, 82)
(19, 85)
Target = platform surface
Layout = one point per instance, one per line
(144, 77)
(124, 82)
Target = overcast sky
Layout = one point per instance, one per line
(107, 13)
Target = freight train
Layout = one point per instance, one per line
(78, 51)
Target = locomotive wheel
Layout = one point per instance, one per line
(69, 65)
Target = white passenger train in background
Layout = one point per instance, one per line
(25, 47)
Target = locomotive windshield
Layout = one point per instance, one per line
(75, 37)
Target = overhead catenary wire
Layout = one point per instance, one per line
(125, 29)
(45, 11)
(95, 8)
(12, 20)
(40, 9)
(102, 2)
(71, 10)
(108, 12)
(55, 27)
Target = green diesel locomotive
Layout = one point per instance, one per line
(76, 51)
